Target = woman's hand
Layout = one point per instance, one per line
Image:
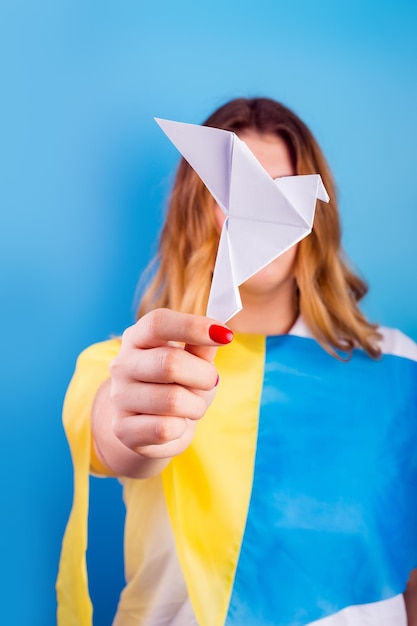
(162, 382)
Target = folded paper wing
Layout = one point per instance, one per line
(264, 217)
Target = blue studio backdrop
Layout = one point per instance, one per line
(84, 176)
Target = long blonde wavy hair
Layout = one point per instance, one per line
(327, 289)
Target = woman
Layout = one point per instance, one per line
(276, 471)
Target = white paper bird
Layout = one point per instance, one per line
(264, 217)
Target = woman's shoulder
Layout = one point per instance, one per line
(394, 341)
(101, 351)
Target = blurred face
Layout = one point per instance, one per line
(273, 154)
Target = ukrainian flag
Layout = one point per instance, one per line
(297, 498)
(295, 504)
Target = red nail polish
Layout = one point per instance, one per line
(220, 334)
(217, 381)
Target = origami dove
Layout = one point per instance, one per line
(264, 217)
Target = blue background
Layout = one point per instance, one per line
(84, 174)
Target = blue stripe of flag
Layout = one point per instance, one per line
(332, 520)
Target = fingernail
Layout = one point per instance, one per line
(220, 334)
(217, 381)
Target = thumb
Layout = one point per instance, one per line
(221, 335)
